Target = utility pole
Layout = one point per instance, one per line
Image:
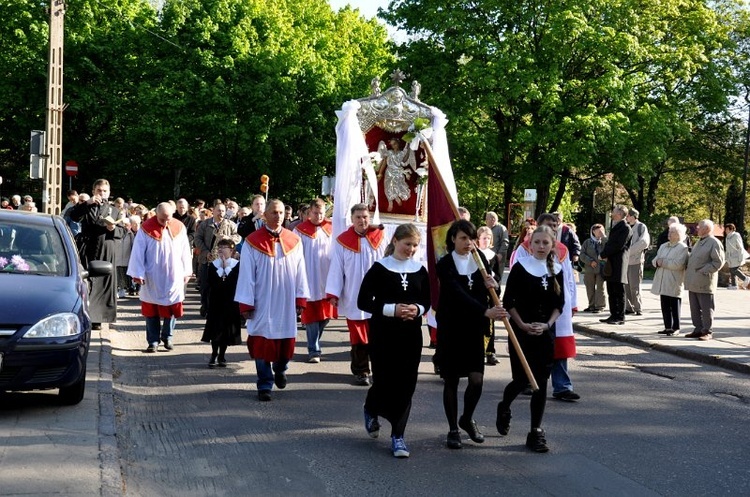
(52, 194)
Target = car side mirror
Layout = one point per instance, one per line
(99, 268)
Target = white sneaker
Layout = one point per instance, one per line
(120, 293)
(732, 287)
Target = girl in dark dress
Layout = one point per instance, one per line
(396, 291)
(534, 299)
(223, 319)
(463, 314)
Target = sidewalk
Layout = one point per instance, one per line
(729, 349)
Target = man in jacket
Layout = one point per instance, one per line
(639, 243)
(615, 253)
(701, 277)
(208, 233)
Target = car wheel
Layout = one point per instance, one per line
(73, 394)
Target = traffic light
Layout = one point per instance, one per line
(264, 185)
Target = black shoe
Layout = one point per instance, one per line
(613, 321)
(454, 440)
(535, 440)
(151, 349)
(362, 380)
(168, 344)
(595, 311)
(638, 313)
(588, 309)
(96, 326)
(264, 395)
(606, 319)
(222, 362)
(212, 362)
(470, 427)
(503, 420)
(666, 331)
(279, 379)
(693, 334)
(492, 360)
(567, 395)
(202, 311)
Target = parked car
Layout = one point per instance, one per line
(45, 328)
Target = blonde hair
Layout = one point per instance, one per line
(402, 232)
(546, 230)
(484, 229)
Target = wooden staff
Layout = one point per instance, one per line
(508, 328)
(493, 293)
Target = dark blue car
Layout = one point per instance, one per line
(45, 329)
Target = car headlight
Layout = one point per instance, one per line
(59, 325)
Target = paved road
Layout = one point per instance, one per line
(164, 424)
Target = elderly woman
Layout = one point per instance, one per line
(670, 263)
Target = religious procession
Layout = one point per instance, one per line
(389, 250)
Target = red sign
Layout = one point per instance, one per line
(71, 168)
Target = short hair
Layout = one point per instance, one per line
(547, 216)
(633, 212)
(358, 207)
(165, 207)
(621, 209)
(99, 182)
(681, 229)
(730, 226)
(492, 214)
(558, 215)
(318, 202)
(707, 223)
(226, 242)
(596, 227)
(672, 220)
(463, 211)
(461, 225)
(71, 192)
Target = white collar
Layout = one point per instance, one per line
(538, 268)
(398, 266)
(465, 264)
(224, 271)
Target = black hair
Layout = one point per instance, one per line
(460, 225)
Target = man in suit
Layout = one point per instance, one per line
(615, 253)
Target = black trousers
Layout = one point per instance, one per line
(616, 293)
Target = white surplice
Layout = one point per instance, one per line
(161, 257)
(272, 280)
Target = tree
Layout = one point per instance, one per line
(198, 99)
(23, 69)
(568, 89)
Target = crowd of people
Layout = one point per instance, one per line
(261, 268)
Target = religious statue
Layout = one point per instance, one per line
(416, 88)
(375, 87)
(395, 168)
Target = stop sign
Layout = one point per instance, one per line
(71, 168)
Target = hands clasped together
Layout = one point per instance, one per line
(407, 312)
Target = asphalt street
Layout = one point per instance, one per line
(649, 423)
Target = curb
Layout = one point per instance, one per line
(711, 360)
(111, 476)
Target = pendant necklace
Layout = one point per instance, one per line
(404, 283)
(471, 282)
(544, 281)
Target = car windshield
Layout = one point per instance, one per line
(31, 250)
